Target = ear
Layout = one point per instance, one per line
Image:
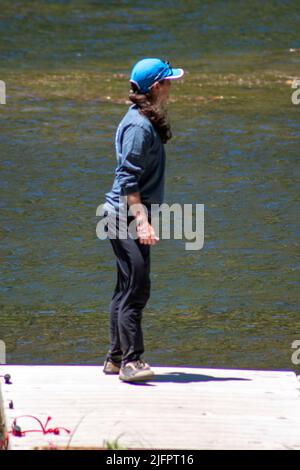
(155, 86)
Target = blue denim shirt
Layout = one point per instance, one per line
(141, 162)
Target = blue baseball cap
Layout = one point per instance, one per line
(147, 71)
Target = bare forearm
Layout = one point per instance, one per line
(145, 231)
(136, 207)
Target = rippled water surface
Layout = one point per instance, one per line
(235, 149)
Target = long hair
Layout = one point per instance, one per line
(156, 115)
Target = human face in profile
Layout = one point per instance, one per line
(160, 91)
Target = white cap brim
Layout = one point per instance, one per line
(177, 73)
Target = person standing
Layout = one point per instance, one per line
(138, 183)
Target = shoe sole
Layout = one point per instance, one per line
(137, 378)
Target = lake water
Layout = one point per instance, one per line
(235, 149)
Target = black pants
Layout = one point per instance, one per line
(130, 296)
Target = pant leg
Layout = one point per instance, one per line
(115, 351)
(123, 275)
(130, 297)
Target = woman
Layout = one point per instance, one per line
(139, 182)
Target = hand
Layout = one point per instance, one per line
(145, 232)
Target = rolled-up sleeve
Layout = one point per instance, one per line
(135, 145)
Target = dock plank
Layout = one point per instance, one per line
(181, 408)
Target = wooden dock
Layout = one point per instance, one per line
(181, 408)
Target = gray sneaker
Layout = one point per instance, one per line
(135, 371)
